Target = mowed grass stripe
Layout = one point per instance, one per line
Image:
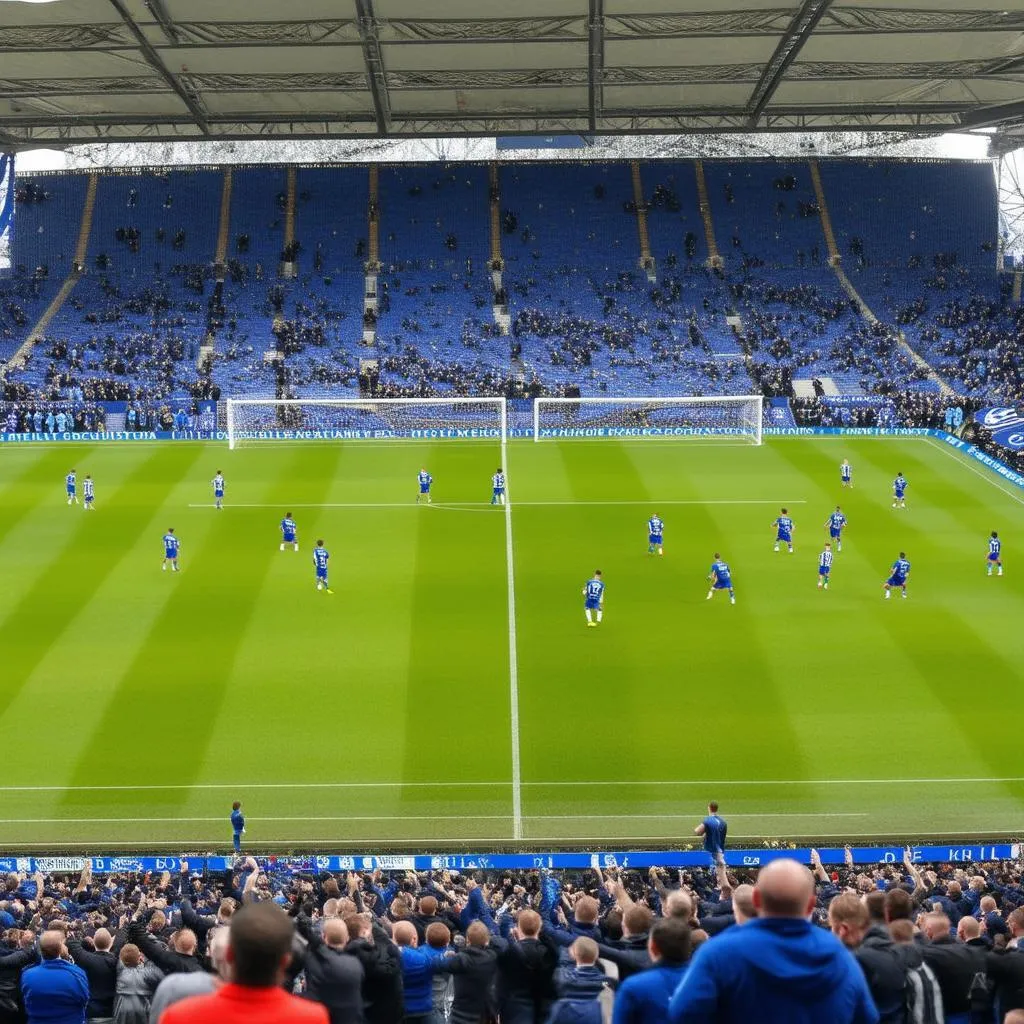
(188, 653)
(28, 481)
(459, 625)
(90, 553)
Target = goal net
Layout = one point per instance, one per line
(732, 418)
(251, 421)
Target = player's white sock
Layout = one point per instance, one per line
(903, 593)
(989, 573)
(1000, 573)
(710, 592)
(600, 614)
(164, 567)
(887, 595)
(791, 549)
(296, 545)
(839, 547)
(661, 551)
(586, 611)
(732, 599)
(819, 584)
(282, 547)
(776, 547)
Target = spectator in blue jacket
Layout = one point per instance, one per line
(55, 992)
(777, 969)
(579, 987)
(643, 998)
(418, 966)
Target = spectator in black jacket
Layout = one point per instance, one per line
(526, 968)
(474, 969)
(427, 914)
(382, 969)
(874, 950)
(630, 954)
(17, 952)
(953, 964)
(180, 958)
(100, 966)
(1006, 969)
(334, 977)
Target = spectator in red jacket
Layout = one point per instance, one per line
(259, 952)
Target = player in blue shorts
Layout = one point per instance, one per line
(784, 530)
(995, 553)
(217, 483)
(721, 578)
(593, 598)
(899, 490)
(898, 573)
(88, 493)
(320, 558)
(424, 479)
(289, 532)
(835, 524)
(171, 545)
(498, 487)
(69, 485)
(846, 473)
(825, 567)
(655, 535)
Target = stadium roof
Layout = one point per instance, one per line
(80, 71)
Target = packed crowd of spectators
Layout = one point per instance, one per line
(908, 943)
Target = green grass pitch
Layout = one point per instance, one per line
(137, 704)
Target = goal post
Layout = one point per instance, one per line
(258, 420)
(735, 418)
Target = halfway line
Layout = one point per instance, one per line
(466, 505)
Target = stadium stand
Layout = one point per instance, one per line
(740, 293)
(521, 943)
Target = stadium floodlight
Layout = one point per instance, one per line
(735, 418)
(252, 420)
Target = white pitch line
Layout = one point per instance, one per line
(440, 817)
(502, 782)
(467, 505)
(513, 658)
(974, 469)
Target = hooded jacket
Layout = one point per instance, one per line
(644, 997)
(773, 970)
(886, 974)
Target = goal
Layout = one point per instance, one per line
(735, 418)
(253, 420)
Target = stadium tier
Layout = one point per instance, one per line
(445, 281)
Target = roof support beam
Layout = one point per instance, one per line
(163, 19)
(369, 35)
(154, 61)
(595, 63)
(800, 29)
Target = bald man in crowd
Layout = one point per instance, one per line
(55, 990)
(334, 977)
(776, 969)
(953, 963)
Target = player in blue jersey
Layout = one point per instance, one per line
(593, 594)
(721, 578)
(88, 493)
(171, 545)
(217, 483)
(846, 473)
(825, 567)
(995, 553)
(70, 482)
(289, 532)
(655, 535)
(320, 557)
(784, 530)
(498, 487)
(899, 490)
(898, 573)
(835, 524)
(424, 479)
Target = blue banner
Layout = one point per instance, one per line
(1006, 425)
(6, 201)
(966, 853)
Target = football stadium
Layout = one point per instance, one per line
(550, 475)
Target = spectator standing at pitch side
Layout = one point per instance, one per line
(713, 828)
(237, 825)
